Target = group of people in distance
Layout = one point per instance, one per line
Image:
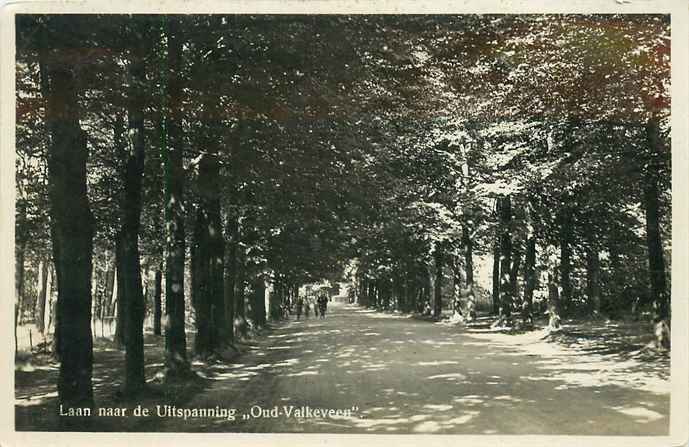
(319, 305)
(463, 305)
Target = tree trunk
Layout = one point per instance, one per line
(115, 286)
(258, 304)
(43, 292)
(386, 285)
(211, 247)
(200, 286)
(505, 310)
(656, 262)
(72, 230)
(52, 309)
(20, 255)
(438, 292)
(109, 289)
(514, 278)
(592, 277)
(566, 229)
(240, 298)
(613, 304)
(121, 322)
(275, 299)
(496, 276)
(553, 304)
(96, 301)
(157, 301)
(278, 297)
(221, 332)
(175, 337)
(131, 210)
(427, 286)
(232, 229)
(408, 297)
(468, 256)
(456, 280)
(363, 286)
(529, 279)
(394, 290)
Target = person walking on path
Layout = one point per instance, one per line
(300, 306)
(322, 304)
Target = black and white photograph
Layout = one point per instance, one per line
(344, 223)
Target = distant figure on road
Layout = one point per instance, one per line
(457, 306)
(467, 300)
(322, 305)
(300, 306)
(427, 309)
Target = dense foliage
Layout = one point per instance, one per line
(229, 152)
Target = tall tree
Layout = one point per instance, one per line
(566, 223)
(72, 221)
(530, 272)
(157, 301)
(42, 294)
(656, 263)
(175, 337)
(231, 273)
(209, 250)
(258, 303)
(495, 309)
(131, 210)
(506, 290)
(438, 283)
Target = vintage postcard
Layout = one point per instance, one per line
(345, 222)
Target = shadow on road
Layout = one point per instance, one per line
(395, 374)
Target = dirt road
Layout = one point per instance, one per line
(395, 374)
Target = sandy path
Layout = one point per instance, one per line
(402, 375)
